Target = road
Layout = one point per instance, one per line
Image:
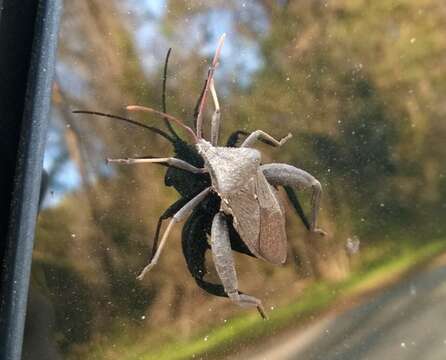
(405, 321)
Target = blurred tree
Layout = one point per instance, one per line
(359, 83)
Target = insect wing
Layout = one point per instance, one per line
(272, 237)
(246, 194)
(259, 219)
(245, 210)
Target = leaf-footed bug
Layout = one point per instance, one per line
(228, 193)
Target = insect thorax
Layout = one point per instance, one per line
(230, 168)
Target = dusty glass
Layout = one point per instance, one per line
(359, 85)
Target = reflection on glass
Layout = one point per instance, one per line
(358, 84)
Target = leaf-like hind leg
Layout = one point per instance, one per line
(287, 175)
(225, 266)
(296, 205)
(178, 163)
(216, 117)
(259, 134)
(181, 214)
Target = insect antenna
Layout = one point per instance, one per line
(166, 121)
(197, 105)
(165, 116)
(211, 71)
(129, 121)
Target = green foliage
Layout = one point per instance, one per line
(377, 271)
(360, 85)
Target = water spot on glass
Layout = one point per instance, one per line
(352, 245)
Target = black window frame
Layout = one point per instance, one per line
(28, 41)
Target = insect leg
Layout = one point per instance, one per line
(297, 206)
(259, 134)
(234, 138)
(195, 244)
(216, 117)
(225, 266)
(287, 175)
(183, 213)
(168, 213)
(178, 163)
(199, 119)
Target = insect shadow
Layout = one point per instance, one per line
(225, 193)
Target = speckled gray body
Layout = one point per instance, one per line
(258, 215)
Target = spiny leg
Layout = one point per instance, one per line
(178, 163)
(216, 117)
(183, 213)
(287, 175)
(225, 266)
(259, 134)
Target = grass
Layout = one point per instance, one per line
(380, 265)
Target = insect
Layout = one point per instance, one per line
(226, 192)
